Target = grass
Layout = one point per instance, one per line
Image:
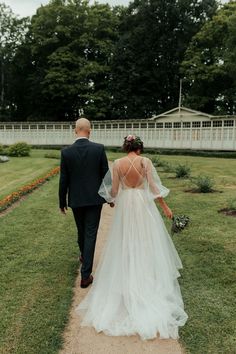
(20, 171)
(208, 252)
(38, 261)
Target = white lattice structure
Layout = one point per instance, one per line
(179, 128)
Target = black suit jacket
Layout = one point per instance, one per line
(83, 166)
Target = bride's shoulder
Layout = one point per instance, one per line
(146, 160)
(116, 162)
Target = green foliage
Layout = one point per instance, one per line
(231, 204)
(66, 60)
(156, 161)
(12, 33)
(188, 152)
(153, 38)
(167, 166)
(19, 149)
(3, 150)
(209, 64)
(182, 171)
(204, 184)
(100, 61)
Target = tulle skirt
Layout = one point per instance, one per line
(135, 289)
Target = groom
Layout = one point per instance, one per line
(83, 166)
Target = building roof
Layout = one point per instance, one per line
(177, 112)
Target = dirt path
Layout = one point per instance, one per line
(85, 340)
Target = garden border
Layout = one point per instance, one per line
(14, 197)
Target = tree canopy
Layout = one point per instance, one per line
(12, 33)
(210, 64)
(153, 38)
(74, 58)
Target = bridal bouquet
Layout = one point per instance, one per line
(179, 222)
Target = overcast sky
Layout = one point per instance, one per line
(28, 7)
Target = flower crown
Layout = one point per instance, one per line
(133, 138)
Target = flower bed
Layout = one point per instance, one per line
(15, 196)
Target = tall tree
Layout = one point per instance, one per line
(209, 64)
(154, 35)
(12, 33)
(69, 48)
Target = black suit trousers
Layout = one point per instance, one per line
(87, 221)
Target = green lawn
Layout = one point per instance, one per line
(38, 261)
(20, 171)
(208, 251)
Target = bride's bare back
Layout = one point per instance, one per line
(130, 172)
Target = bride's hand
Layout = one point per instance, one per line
(167, 211)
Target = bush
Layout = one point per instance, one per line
(19, 149)
(204, 184)
(166, 166)
(3, 150)
(156, 161)
(231, 204)
(182, 171)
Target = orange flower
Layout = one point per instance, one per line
(13, 197)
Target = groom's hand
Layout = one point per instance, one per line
(63, 210)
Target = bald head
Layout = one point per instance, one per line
(82, 127)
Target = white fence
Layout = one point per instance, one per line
(217, 134)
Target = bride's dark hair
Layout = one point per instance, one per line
(132, 143)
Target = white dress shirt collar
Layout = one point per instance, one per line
(81, 137)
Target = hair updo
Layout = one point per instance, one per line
(132, 143)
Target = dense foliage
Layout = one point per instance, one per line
(210, 64)
(19, 149)
(73, 58)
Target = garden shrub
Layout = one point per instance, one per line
(3, 150)
(182, 171)
(204, 184)
(231, 204)
(19, 149)
(166, 166)
(156, 161)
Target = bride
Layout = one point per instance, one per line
(135, 290)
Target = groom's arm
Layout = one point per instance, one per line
(63, 184)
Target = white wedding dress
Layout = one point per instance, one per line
(135, 288)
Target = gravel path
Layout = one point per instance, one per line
(85, 340)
